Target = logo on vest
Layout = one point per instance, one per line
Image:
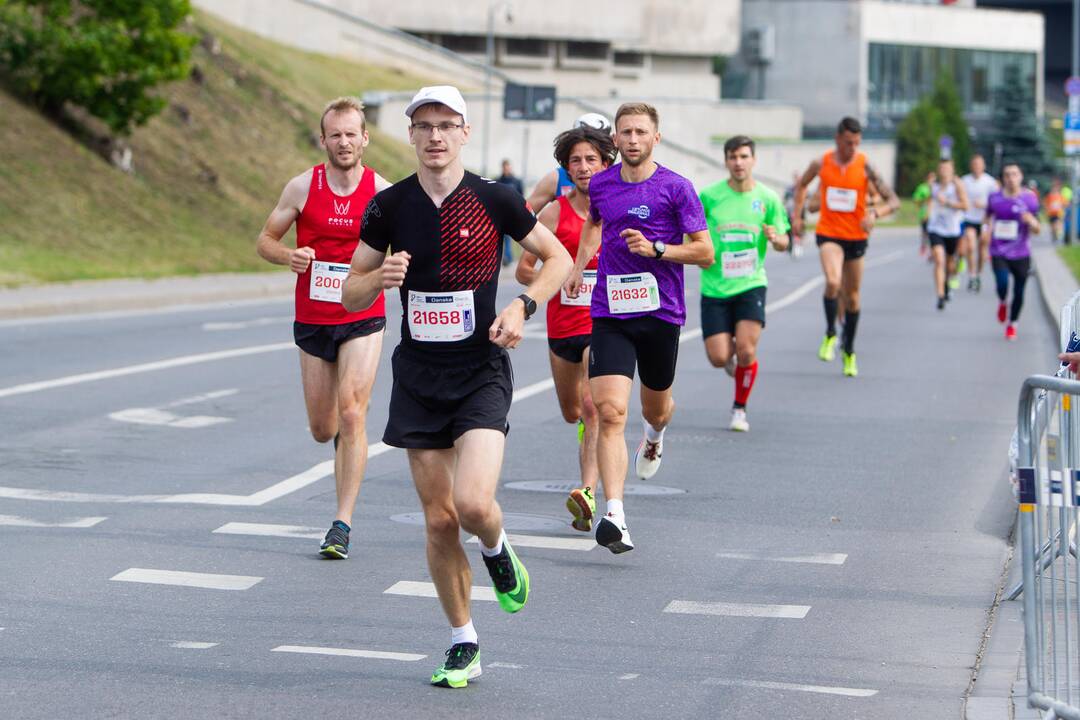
(342, 208)
(464, 233)
(641, 211)
(757, 206)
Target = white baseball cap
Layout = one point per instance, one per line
(447, 95)
(593, 120)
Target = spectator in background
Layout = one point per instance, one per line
(508, 178)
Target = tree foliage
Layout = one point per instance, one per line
(105, 56)
(1017, 135)
(918, 136)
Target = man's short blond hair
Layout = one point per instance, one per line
(638, 109)
(342, 104)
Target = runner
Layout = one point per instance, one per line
(453, 383)
(921, 198)
(558, 182)
(1011, 217)
(639, 212)
(582, 152)
(843, 230)
(1054, 202)
(339, 350)
(978, 184)
(948, 201)
(744, 217)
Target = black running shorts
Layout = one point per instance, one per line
(647, 342)
(437, 398)
(571, 349)
(853, 249)
(323, 341)
(949, 243)
(720, 315)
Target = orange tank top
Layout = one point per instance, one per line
(843, 198)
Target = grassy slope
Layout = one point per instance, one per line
(202, 187)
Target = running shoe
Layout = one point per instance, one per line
(941, 303)
(1001, 312)
(1010, 332)
(336, 543)
(647, 458)
(611, 532)
(954, 282)
(739, 422)
(797, 250)
(730, 365)
(580, 431)
(978, 283)
(961, 266)
(827, 351)
(462, 665)
(510, 578)
(971, 284)
(582, 505)
(851, 368)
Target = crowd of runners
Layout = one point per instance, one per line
(604, 241)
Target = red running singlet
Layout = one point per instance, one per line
(565, 321)
(330, 224)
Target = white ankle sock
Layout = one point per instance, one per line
(652, 434)
(615, 507)
(464, 634)
(492, 552)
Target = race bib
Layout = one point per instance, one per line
(1006, 229)
(632, 293)
(738, 264)
(327, 279)
(584, 298)
(441, 317)
(841, 199)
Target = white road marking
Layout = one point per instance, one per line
(181, 361)
(690, 607)
(167, 310)
(16, 521)
(547, 542)
(535, 389)
(244, 324)
(813, 559)
(187, 579)
(350, 652)
(629, 676)
(286, 531)
(155, 416)
(427, 590)
(508, 666)
(823, 689)
(193, 645)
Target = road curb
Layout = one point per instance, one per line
(1056, 282)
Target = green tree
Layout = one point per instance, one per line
(1017, 135)
(917, 149)
(946, 99)
(105, 56)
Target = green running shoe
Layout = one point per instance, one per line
(827, 351)
(961, 265)
(510, 578)
(580, 431)
(851, 368)
(582, 505)
(462, 665)
(954, 282)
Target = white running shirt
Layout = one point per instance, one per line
(978, 191)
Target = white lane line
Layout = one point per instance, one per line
(181, 361)
(119, 314)
(187, 579)
(61, 496)
(427, 590)
(349, 652)
(244, 324)
(535, 389)
(765, 684)
(193, 645)
(264, 530)
(813, 559)
(16, 521)
(546, 542)
(508, 666)
(690, 607)
(629, 676)
(156, 416)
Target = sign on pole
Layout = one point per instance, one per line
(945, 143)
(1072, 117)
(529, 102)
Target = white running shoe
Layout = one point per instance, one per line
(611, 532)
(647, 458)
(730, 365)
(739, 422)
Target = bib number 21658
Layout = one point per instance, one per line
(441, 317)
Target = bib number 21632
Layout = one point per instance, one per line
(441, 317)
(632, 293)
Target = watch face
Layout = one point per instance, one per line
(659, 246)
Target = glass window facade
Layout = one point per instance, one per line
(901, 74)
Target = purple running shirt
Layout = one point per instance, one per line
(1008, 233)
(664, 207)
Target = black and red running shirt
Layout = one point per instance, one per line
(454, 247)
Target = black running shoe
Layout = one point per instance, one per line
(941, 303)
(510, 578)
(336, 543)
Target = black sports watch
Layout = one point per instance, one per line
(530, 305)
(659, 247)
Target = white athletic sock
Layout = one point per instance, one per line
(652, 434)
(492, 552)
(615, 507)
(464, 634)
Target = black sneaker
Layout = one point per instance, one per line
(941, 303)
(336, 543)
(462, 665)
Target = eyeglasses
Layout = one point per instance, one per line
(443, 128)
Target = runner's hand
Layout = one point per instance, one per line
(300, 259)
(798, 226)
(1029, 219)
(394, 268)
(507, 329)
(638, 243)
(868, 221)
(774, 237)
(574, 284)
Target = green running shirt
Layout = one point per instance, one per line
(736, 223)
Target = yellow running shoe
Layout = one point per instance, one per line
(827, 351)
(582, 505)
(851, 368)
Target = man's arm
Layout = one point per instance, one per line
(269, 245)
(544, 192)
(696, 248)
(797, 224)
(586, 249)
(370, 273)
(507, 329)
(892, 202)
(526, 271)
(962, 202)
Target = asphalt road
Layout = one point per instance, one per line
(838, 561)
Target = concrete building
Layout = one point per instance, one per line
(874, 59)
(1058, 21)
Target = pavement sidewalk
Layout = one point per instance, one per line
(1000, 690)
